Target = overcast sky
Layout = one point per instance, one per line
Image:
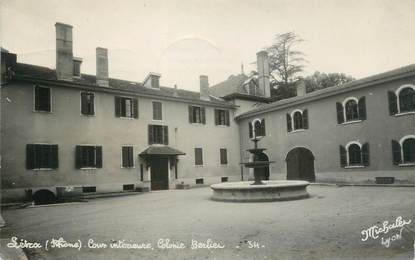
(186, 38)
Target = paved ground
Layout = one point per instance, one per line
(328, 225)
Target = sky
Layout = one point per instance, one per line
(182, 39)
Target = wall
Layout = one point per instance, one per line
(324, 136)
(66, 127)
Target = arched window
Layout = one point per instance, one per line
(298, 120)
(406, 100)
(408, 150)
(355, 154)
(351, 110)
(257, 128)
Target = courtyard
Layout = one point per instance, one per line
(186, 224)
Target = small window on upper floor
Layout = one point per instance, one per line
(354, 155)
(158, 134)
(197, 115)
(351, 110)
(126, 107)
(297, 120)
(221, 117)
(257, 128)
(42, 99)
(157, 110)
(155, 82)
(403, 152)
(402, 101)
(87, 103)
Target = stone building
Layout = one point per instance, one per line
(66, 133)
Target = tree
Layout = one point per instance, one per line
(320, 80)
(285, 61)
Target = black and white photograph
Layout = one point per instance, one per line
(220, 129)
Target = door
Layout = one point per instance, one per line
(159, 173)
(300, 164)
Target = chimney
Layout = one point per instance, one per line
(301, 89)
(204, 87)
(64, 53)
(102, 67)
(263, 73)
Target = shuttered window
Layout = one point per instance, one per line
(408, 149)
(354, 155)
(88, 156)
(198, 156)
(353, 110)
(157, 110)
(127, 157)
(87, 103)
(126, 107)
(158, 134)
(42, 156)
(223, 156)
(197, 115)
(42, 99)
(222, 117)
(406, 100)
(259, 128)
(298, 120)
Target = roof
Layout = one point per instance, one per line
(160, 150)
(32, 73)
(231, 85)
(403, 72)
(247, 97)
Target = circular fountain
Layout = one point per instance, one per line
(259, 190)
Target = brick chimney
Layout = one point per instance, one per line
(301, 89)
(204, 87)
(64, 52)
(102, 67)
(263, 73)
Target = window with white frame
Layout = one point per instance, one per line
(354, 154)
(88, 156)
(126, 107)
(403, 152)
(403, 100)
(351, 110)
(127, 156)
(297, 120)
(257, 128)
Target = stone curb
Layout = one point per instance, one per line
(362, 184)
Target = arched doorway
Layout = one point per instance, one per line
(42, 197)
(265, 171)
(300, 164)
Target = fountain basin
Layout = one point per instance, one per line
(270, 191)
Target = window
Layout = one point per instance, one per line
(128, 187)
(223, 156)
(199, 181)
(297, 120)
(155, 81)
(87, 103)
(224, 179)
(402, 101)
(89, 189)
(88, 156)
(351, 110)
(42, 156)
(126, 107)
(42, 99)
(354, 154)
(221, 117)
(197, 115)
(141, 172)
(127, 157)
(158, 134)
(77, 68)
(198, 156)
(403, 152)
(157, 111)
(257, 128)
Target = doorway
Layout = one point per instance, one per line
(159, 173)
(300, 164)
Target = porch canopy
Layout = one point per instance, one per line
(160, 150)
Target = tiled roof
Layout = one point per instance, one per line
(399, 73)
(44, 73)
(231, 85)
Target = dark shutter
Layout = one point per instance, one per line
(289, 125)
(217, 117)
(37, 98)
(150, 134)
(131, 156)
(305, 119)
(343, 156)
(98, 158)
(141, 172)
(365, 154)
(166, 135)
(223, 156)
(203, 115)
(198, 156)
(84, 103)
(117, 106)
(251, 134)
(396, 152)
(30, 154)
(227, 118)
(263, 133)
(340, 115)
(124, 156)
(393, 103)
(54, 163)
(191, 114)
(135, 107)
(78, 157)
(362, 108)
